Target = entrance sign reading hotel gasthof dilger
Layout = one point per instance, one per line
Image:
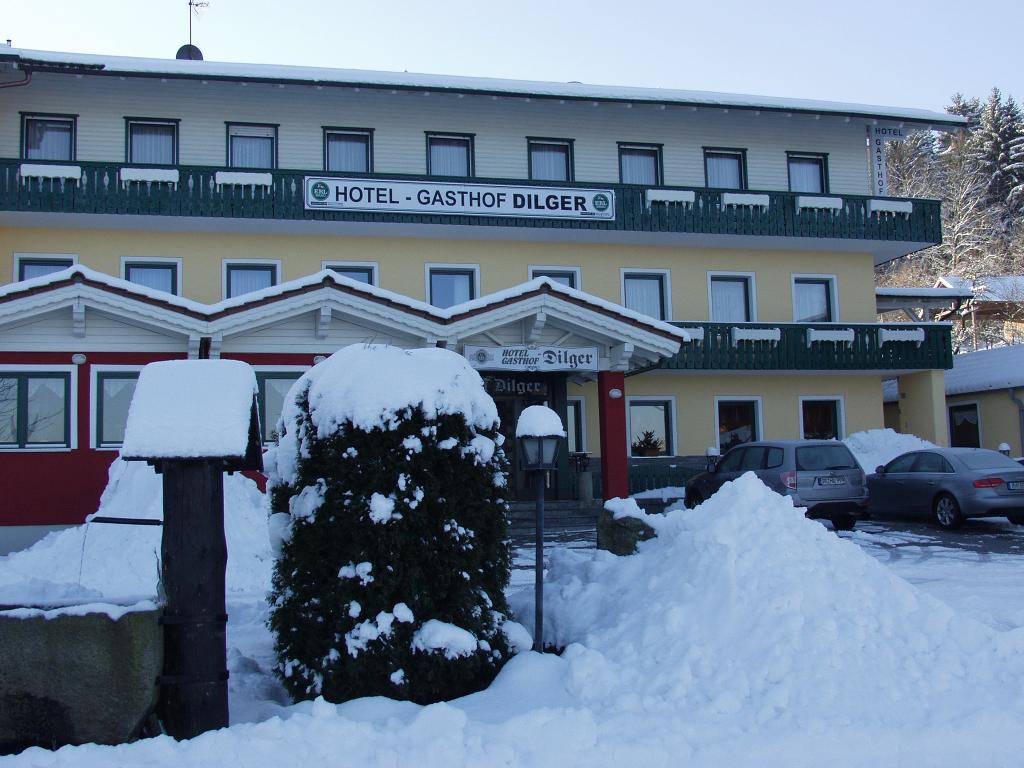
(433, 198)
(532, 358)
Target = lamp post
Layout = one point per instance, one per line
(539, 432)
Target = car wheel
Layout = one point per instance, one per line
(844, 522)
(947, 512)
(1016, 519)
(693, 499)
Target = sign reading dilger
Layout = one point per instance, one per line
(386, 195)
(530, 358)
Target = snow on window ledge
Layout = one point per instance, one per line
(244, 178)
(744, 198)
(42, 171)
(772, 335)
(841, 336)
(902, 207)
(670, 196)
(159, 175)
(819, 203)
(885, 335)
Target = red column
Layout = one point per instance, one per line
(612, 414)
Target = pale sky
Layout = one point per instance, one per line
(913, 53)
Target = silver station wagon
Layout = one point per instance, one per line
(820, 475)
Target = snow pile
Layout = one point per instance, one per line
(539, 421)
(874, 447)
(103, 561)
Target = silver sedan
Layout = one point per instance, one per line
(950, 484)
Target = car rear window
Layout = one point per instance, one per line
(987, 460)
(812, 457)
(774, 458)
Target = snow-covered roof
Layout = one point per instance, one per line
(214, 70)
(986, 369)
(926, 293)
(990, 288)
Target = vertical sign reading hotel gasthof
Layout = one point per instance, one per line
(878, 135)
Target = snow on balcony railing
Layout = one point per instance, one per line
(43, 171)
(244, 178)
(902, 207)
(819, 203)
(885, 335)
(745, 198)
(150, 175)
(840, 336)
(670, 196)
(738, 334)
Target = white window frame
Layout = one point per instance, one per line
(658, 150)
(977, 408)
(582, 447)
(750, 277)
(671, 400)
(253, 130)
(759, 413)
(666, 286)
(272, 369)
(577, 273)
(532, 141)
(373, 266)
(72, 407)
(840, 411)
(156, 261)
(133, 121)
(365, 133)
(94, 401)
(26, 117)
(431, 266)
(275, 263)
(833, 282)
(21, 256)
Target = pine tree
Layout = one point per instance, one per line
(398, 532)
(998, 129)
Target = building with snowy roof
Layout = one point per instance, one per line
(697, 266)
(995, 311)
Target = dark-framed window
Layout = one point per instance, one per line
(114, 391)
(812, 300)
(151, 141)
(46, 136)
(644, 292)
(359, 273)
(731, 299)
(550, 159)
(35, 409)
(30, 267)
(820, 418)
(808, 172)
(725, 168)
(566, 277)
(158, 275)
(348, 150)
(641, 164)
(450, 286)
(737, 423)
(650, 428)
(964, 426)
(272, 389)
(252, 145)
(450, 154)
(246, 278)
(574, 426)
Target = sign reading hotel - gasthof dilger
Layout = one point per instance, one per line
(426, 197)
(532, 358)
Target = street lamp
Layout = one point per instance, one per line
(539, 433)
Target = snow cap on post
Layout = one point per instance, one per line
(195, 409)
(539, 421)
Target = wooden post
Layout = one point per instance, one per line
(194, 687)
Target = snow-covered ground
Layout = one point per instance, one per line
(743, 635)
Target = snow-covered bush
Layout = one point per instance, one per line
(392, 570)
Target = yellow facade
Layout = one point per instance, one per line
(999, 418)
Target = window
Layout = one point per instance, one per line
(901, 463)
(362, 273)
(550, 159)
(574, 426)
(812, 300)
(158, 275)
(252, 145)
(725, 168)
(449, 155)
(48, 137)
(731, 297)
(964, 426)
(348, 150)
(451, 285)
(811, 458)
(807, 172)
(246, 278)
(732, 461)
(640, 164)
(273, 388)
(650, 427)
(738, 422)
(36, 266)
(932, 462)
(152, 142)
(568, 276)
(34, 410)
(821, 419)
(114, 396)
(644, 292)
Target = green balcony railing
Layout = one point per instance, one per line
(813, 347)
(100, 190)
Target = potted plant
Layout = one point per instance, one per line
(647, 444)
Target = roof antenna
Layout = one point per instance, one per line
(190, 51)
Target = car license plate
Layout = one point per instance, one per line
(831, 481)
(1016, 485)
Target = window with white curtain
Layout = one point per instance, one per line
(451, 286)
(807, 173)
(550, 160)
(730, 299)
(724, 168)
(645, 293)
(246, 278)
(812, 300)
(48, 138)
(160, 276)
(252, 146)
(964, 426)
(640, 164)
(449, 155)
(347, 150)
(152, 142)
